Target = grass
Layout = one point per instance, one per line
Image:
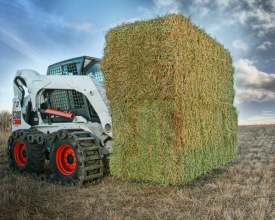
(241, 189)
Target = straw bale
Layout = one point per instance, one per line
(171, 92)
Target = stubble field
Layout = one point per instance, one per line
(241, 189)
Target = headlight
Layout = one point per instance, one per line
(108, 127)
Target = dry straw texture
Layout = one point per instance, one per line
(171, 92)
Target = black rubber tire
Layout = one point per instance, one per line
(35, 154)
(57, 174)
(106, 162)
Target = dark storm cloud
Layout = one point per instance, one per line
(249, 77)
(266, 85)
(253, 84)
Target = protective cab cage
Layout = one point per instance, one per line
(64, 100)
(84, 65)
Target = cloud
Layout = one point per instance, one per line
(259, 15)
(253, 95)
(33, 32)
(161, 7)
(199, 10)
(251, 2)
(86, 27)
(202, 1)
(267, 112)
(265, 45)
(204, 11)
(16, 42)
(119, 22)
(252, 84)
(171, 6)
(240, 45)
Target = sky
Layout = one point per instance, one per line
(37, 33)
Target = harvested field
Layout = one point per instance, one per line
(241, 189)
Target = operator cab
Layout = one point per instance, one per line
(84, 65)
(71, 100)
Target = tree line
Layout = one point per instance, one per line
(5, 121)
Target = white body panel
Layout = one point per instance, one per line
(86, 85)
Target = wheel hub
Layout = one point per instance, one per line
(24, 153)
(70, 159)
(20, 154)
(65, 159)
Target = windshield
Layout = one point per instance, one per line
(95, 71)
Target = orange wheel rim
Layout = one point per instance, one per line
(65, 159)
(20, 154)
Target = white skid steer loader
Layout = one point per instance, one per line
(64, 118)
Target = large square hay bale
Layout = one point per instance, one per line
(171, 92)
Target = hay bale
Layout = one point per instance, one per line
(171, 92)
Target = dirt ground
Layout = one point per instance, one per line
(241, 189)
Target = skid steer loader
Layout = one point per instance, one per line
(63, 117)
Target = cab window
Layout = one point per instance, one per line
(94, 70)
